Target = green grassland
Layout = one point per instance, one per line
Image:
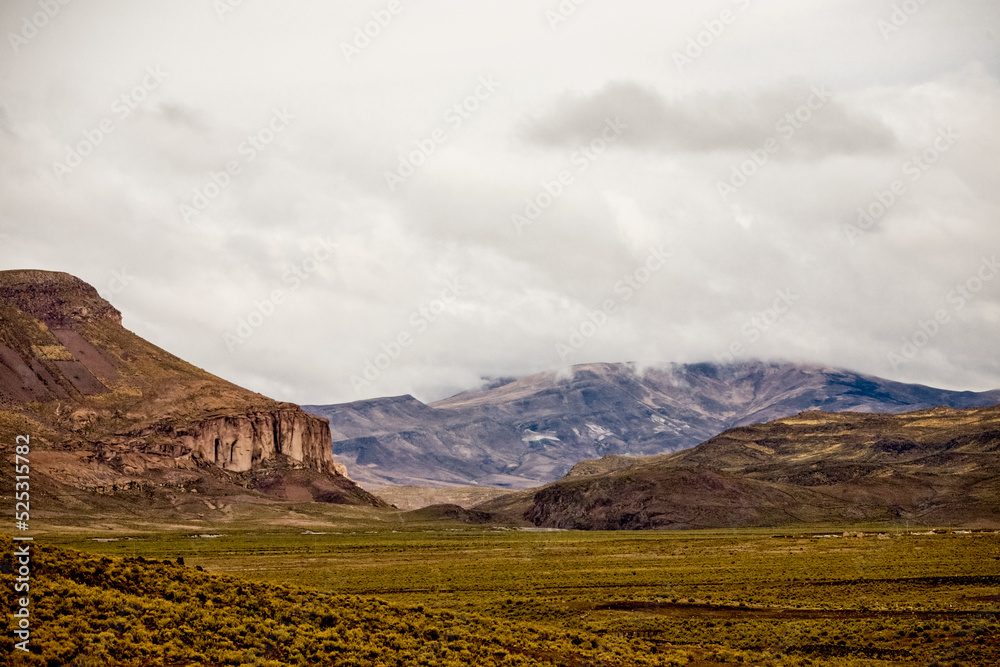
(601, 598)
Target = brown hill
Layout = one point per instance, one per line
(415, 497)
(447, 512)
(932, 467)
(109, 413)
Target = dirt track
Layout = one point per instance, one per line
(782, 613)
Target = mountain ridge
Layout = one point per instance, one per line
(529, 431)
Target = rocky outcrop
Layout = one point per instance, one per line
(55, 298)
(240, 443)
(112, 413)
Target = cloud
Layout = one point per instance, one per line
(820, 124)
(324, 176)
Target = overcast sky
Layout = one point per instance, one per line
(480, 189)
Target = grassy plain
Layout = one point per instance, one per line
(710, 596)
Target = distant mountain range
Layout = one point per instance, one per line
(521, 433)
(937, 467)
(118, 423)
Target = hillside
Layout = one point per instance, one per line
(931, 467)
(113, 418)
(529, 431)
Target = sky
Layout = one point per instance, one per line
(326, 202)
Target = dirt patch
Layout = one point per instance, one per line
(95, 360)
(82, 379)
(690, 609)
(18, 381)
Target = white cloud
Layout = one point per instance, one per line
(324, 176)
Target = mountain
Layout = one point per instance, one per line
(930, 467)
(525, 432)
(112, 417)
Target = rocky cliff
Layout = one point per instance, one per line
(241, 442)
(109, 411)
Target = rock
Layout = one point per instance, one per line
(111, 413)
(242, 442)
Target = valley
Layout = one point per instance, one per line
(500, 334)
(763, 513)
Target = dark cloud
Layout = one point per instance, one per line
(808, 117)
(180, 115)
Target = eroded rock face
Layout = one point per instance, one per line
(111, 412)
(242, 442)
